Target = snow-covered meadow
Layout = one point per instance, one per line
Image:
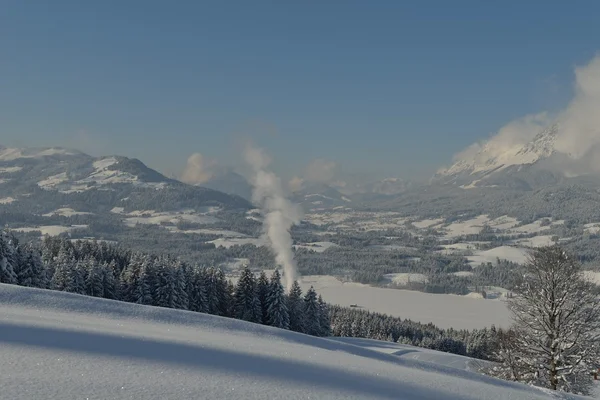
(56, 345)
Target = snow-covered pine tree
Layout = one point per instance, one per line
(312, 313)
(277, 311)
(39, 272)
(7, 260)
(226, 294)
(94, 280)
(197, 290)
(296, 308)
(181, 300)
(144, 287)
(129, 277)
(213, 292)
(77, 277)
(262, 290)
(109, 281)
(557, 323)
(324, 320)
(246, 303)
(165, 284)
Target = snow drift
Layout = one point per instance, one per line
(56, 345)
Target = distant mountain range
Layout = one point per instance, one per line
(44, 178)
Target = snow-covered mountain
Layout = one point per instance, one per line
(319, 196)
(479, 162)
(58, 345)
(230, 182)
(38, 175)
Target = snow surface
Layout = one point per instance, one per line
(7, 200)
(469, 227)
(155, 218)
(229, 242)
(8, 154)
(53, 181)
(318, 247)
(50, 230)
(427, 223)
(443, 310)
(403, 278)
(58, 345)
(514, 254)
(66, 212)
(10, 170)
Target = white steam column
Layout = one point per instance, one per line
(280, 214)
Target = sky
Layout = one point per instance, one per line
(387, 88)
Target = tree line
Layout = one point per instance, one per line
(101, 270)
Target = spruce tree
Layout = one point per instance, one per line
(324, 320)
(197, 290)
(7, 260)
(109, 281)
(262, 290)
(277, 311)
(94, 281)
(143, 291)
(296, 308)
(312, 313)
(247, 306)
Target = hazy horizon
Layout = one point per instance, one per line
(331, 92)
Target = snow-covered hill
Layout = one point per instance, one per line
(62, 346)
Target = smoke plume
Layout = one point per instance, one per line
(279, 213)
(198, 170)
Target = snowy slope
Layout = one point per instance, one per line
(63, 346)
(498, 154)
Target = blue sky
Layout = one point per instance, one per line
(387, 87)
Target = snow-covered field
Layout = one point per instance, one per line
(318, 247)
(10, 170)
(514, 254)
(66, 212)
(7, 200)
(229, 242)
(64, 346)
(443, 310)
(402, 278)
(151, 217)
(51, 230)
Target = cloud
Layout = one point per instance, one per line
(514, 134)
(580, 121)
(198, 169)
(319, 170)
(296, 183)
(578, 139)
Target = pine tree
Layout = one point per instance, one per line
(143, 291)
(197, 290)
(94, 281)
(129, 276)
(312, 313)
(247, 306)
(109, 281)
(262, 290)
(181, 300)
(214, 292)
(165, 285)
(277, 311)
(324, 321)
(295, 308)
(7, 260)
